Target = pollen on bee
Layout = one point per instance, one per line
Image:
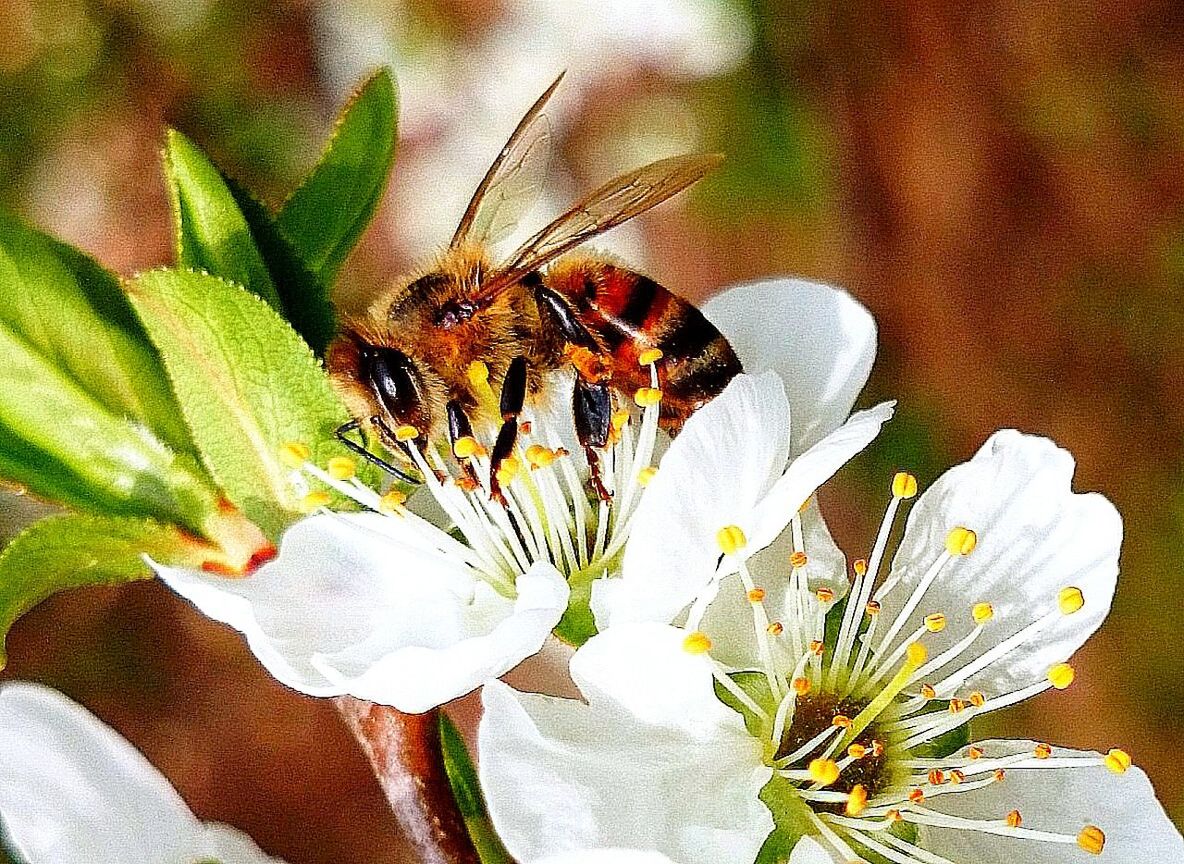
(646, 474)
(341, 467)
(478, 373)
(696, 643)
(649, 356)
(406, 432)
(1092, 839)
(647, 396)
(294, 454)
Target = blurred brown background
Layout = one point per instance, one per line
(1003, 187)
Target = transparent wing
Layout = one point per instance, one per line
(617, 201)
(514, 180)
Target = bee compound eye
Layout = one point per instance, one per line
(395, 382)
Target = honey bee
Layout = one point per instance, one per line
(403, 366)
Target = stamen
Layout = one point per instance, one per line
(823, 771)
(731, 539)
(904, 485)
(857, 801)
(466, 446)
(406, 432)
(1061, 676)
(294, 454)
(1070, 600)
(1091, 839)
(649, 356)
(1014, 819)
(392, 502)
(1117, 761)
(697, 642)
(341, 467)
(647, 396)
(645, 475)
(315, 500)
(915, 656)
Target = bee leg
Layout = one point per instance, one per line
(592, 406)
(512, 398)
(342, 433)
(459, 427)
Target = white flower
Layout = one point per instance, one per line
(72, 791)
(1002, 573)
(396, 608)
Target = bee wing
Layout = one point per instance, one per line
(514, 180)
(617, 201)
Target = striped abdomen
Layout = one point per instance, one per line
(629, 313)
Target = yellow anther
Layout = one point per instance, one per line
(731, 539)
(928, 692)
(1091, 839)
(894, 815)
(539, 456)
(975, 752)
(824, 594)
(294, 454)
(999, 775)
(916, 796)
(936, 777)
(961, 541)
(856, 800)
(1014, 819)
(1070, 600)
(877, 748)
(957, 777)
(935, 623)
(798, 560)
(314, 501)
(406, 432)
(341, 467)
(620, 418)
(817, 646)
(842, 721)
(856, 751)
(916, 654)
(775, 628)
(801, 686)
(756, 595)
(647, 396)
(1042, 751)
(508, 470)
(465, 446)
(805, 506)
(977, 699)
(824, 771)
(957, 706)
(478, 373)
(873, 607)
(982, 612)
(649, 356)
(697, 642)
(466, 484)
(646, 474)
(392, 502)
(859, 566)
(1118, 761)
(904, 485)
(1061, 676)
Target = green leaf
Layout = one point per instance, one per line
(791, 821)
(75, 315)
(247, 384)
(304, 295)
(756, 686)
(466, 790)
(61, 443)
(325, 216)
(211, 232)
(75, 551)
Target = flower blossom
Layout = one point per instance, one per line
(782, 718)
(412, 603)
(72, 791)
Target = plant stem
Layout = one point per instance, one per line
(404, 751)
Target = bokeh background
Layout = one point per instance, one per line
(1003, 188)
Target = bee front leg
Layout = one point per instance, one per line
(464, 444)
(512, 399)
(592, 406)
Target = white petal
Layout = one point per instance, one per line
(1063, 800)
(227, 845)
(809, 851)
(72, 791)
(720, 465)
(811, 469)
(819, 339)
(653, 761)
(355, 604)
(605, 856)
(1035, 537)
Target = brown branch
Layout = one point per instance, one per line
(404, 751)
